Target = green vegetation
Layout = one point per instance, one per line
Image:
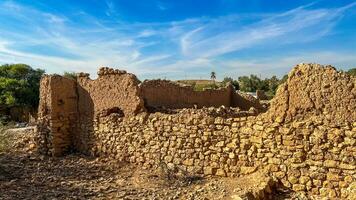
(234, 83)
(253, 83)
(352, 72)
(4, 138)
(70, 75)
(19, 86)
(244, 83)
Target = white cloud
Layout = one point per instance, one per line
(210, 41)
(146, 33)
(168, 48)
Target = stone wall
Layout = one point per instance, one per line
(306, 140)
(163, 93)
(303, 155)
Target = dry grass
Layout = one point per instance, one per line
(4, 139)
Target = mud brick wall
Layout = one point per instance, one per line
(314, 90)
(163, 93)
(57, 115)
(112, 90)
(306, 140)
(168, 94)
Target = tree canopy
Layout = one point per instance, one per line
(252, 83)
(352, 72)
(234, 83)
(70, 75)
(19, 85)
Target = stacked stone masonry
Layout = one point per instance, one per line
(296, 144)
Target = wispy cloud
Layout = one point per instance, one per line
(160, 6)
(298, 25)
(171, 49)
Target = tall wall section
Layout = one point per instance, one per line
(57, 115)
(114, 91)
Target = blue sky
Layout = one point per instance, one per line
(178, 39)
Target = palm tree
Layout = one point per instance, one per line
(213, 76)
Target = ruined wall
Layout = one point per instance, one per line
(261, 95)
(306, 140)
(313, 90)
(167, 94)
(304, 155)
(245, 101)
(57, 115)
(163, 93)
(112, 91)
(112, 88)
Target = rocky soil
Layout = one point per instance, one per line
(26, 175)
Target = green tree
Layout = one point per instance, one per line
(70, 75)
(245, 83)
(19, 85)
(273, 84)
(252, 83)
(352, 72)
(227, 79)
(234, 83)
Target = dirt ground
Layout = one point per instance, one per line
(27, 175)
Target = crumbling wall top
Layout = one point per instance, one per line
(315, 90)
(109, 71)
(112, 89)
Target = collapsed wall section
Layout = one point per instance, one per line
(315, 90)
(57, 115)
(245, 102)
(163, 93)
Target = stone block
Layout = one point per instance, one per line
(220, 172)
(298, 187)
(209, 170)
